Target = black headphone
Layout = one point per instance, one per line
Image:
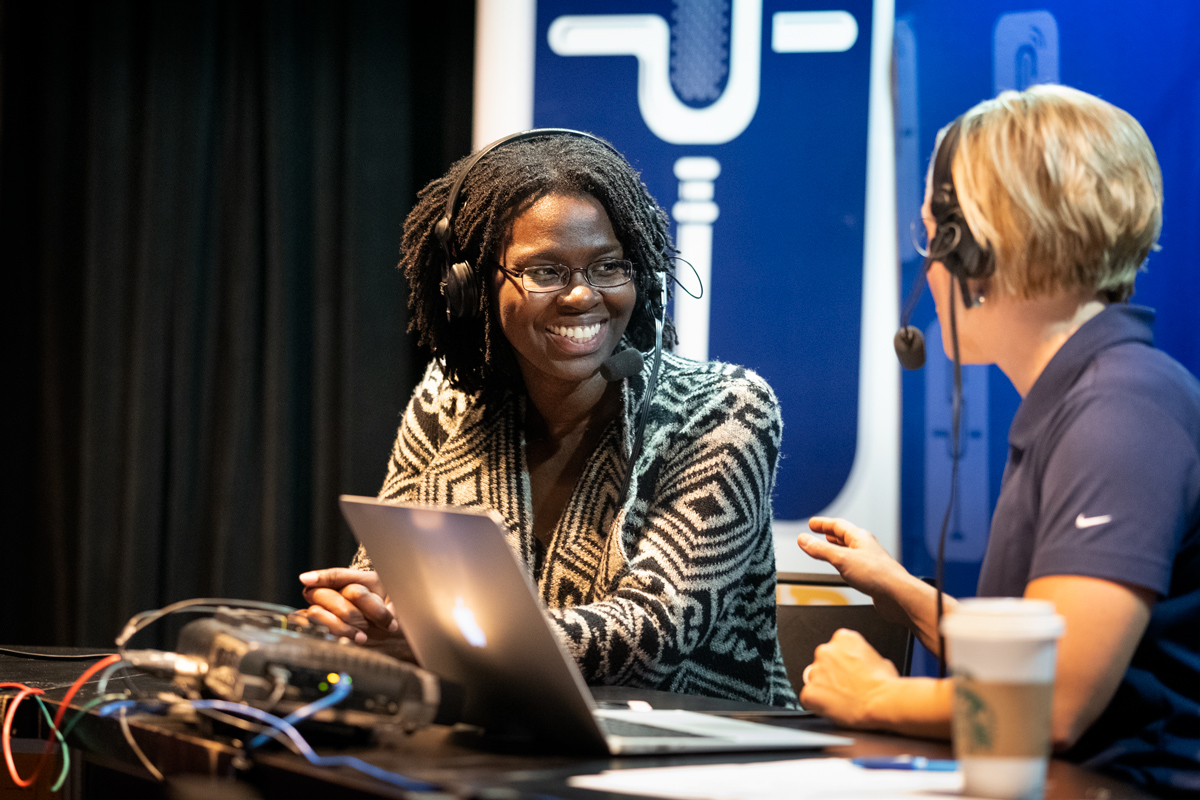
(953, 244)
(460, 282)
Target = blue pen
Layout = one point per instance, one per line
(907, 762)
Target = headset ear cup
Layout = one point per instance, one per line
(461, 290)
(969, 258)
(946, 239)
(982, 262)
(974, 261)
(955, 246)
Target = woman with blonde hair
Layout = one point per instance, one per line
(1041, 208)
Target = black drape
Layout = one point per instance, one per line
(200, 204)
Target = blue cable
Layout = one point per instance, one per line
(339, 692)
(408, 784)
(110, 708)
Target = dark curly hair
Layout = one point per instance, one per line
(498, 189)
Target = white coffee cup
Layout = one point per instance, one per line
(1002, 653)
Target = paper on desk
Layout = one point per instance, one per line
(810, 778)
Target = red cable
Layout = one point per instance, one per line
(62, 709)
(75, 687)
(8, 718)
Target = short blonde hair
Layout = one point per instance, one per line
(1064, 187)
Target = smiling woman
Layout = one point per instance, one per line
(547, 251)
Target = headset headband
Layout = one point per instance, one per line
(444, 227)
(944, 200)
(952, 242)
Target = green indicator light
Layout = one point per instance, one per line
(323, 686)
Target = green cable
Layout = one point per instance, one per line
(66, 730)
(66, 754)
(88, 706)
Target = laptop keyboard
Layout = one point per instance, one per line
(619, 727)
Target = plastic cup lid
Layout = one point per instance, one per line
(1003, 618)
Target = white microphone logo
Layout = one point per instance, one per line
(648, 38)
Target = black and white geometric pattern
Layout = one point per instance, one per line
(672, 588)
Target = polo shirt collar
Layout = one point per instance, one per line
(1117, 324)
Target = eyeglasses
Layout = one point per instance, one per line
(607, 274)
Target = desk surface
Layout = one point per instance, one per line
(440, 755)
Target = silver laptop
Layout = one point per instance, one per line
(472, 617)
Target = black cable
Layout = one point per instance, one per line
(644, 413)
(955, 453)
(196, 604)
(54, 656)
(679, 283)
(914, 296)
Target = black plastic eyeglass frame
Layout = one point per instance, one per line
(565, 273)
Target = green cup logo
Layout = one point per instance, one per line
(1001, 719)
(978, 720)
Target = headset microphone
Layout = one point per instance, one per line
(910, 347)
(622, 365)
(909, 341)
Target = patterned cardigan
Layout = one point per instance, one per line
(671, 588)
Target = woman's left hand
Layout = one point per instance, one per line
(846, 680)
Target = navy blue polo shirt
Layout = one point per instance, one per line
(1103, 480)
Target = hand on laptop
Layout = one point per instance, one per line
(351, 603)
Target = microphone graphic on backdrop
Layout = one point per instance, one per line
(699, 49)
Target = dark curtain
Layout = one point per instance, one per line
(200, 204)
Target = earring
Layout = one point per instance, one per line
(979, 295)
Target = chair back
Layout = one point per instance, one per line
(811, 606)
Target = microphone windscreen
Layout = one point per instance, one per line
(621, 365)
(910, 347)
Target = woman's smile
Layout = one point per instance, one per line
(578, 335)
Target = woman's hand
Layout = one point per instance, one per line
(862, 562)
(853, 685)
(351, 603)
(847, 676)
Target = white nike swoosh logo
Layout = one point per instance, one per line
(1090, 522)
